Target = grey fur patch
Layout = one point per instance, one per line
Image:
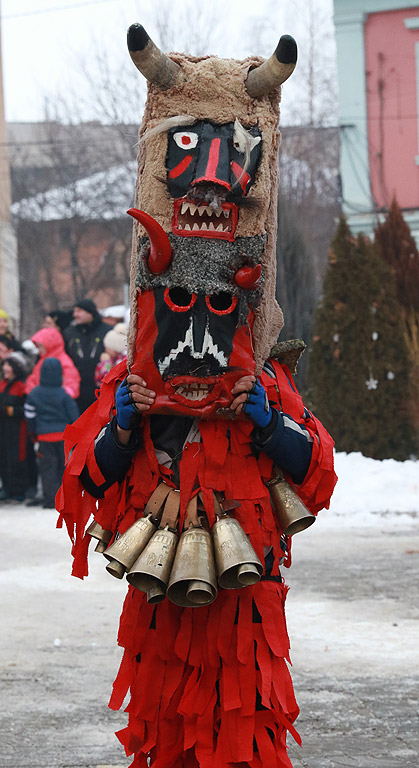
(206, 266)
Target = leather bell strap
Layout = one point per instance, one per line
(157, 500)
(171, 511)
(191, 516)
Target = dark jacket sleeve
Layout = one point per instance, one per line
(287, 443)
(72, 412)
(113, 458)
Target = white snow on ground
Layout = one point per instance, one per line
(369, 490)
(358, 631)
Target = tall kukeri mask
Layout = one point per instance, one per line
(203, 309)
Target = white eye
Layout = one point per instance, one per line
(186, 139)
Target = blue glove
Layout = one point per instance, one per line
(125, 408)
(257, 406)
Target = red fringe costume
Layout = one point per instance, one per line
(209, 686)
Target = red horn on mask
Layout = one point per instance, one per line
(160, 249)
(248, 277)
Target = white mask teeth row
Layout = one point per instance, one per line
(193, 391)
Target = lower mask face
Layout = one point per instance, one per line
(190, 349)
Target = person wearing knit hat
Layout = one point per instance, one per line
(4, 326)
(115, 343)
(4, 321)
(87, 305)
(84, 344)
(58, 318)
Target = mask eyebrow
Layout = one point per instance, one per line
(166, 125)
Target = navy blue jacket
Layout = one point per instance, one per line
(48, 407)
(283, 440)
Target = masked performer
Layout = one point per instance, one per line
(200, 441)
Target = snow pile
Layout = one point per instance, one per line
(368, 489)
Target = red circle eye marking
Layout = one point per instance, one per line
(179, 299)
(186, 140)
(221, 303)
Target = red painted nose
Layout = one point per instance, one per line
(213, 164)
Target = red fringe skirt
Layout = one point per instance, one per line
(210, 687)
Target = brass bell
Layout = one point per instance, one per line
(126, 548)
(293, 516)
(97, 532)
(237, 562)
(150, 572)
(155, 594)
(116, 569)
(193, 578)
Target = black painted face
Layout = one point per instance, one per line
(195, 333)
(204, 152)
(210, 168)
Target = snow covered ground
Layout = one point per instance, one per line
(369, 490)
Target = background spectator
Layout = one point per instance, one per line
(84, 344)
(51, 344)
(115, 314)
(13, 434)
(31, 353)
(59, 319)
(115, 343)
(8, 344)
(48, 410)
(4, 325)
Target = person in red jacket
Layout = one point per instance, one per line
(51, 344)
(13, 433)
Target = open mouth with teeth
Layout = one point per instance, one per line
(193, 391)
(190, 220)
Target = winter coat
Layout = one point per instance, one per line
(84, 344)
(49, 408)
(104, 366)
(53, 342)
(13, 447)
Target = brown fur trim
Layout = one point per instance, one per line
(288, 353)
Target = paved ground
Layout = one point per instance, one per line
(353, 620)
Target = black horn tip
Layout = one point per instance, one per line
(137, 38)
(286, 50)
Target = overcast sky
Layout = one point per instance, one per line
(44, 41)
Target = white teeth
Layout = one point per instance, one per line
(193, 208)
(203, 225)
(218, 212)
(185, 207)
(211, 226)
(187, 226)
(194, 385)
(202, 209)
(195, 226)
(220, 228)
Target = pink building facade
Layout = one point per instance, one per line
(378, 66)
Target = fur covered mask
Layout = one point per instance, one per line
(203, 267)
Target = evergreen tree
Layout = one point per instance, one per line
(358, 361)
(398, 248)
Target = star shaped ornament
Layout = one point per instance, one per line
(371, 383)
